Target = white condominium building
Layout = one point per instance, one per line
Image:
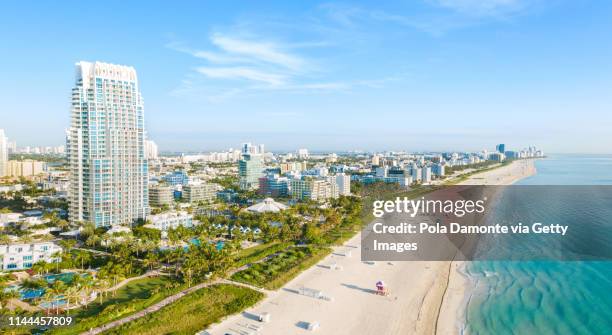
(151, 150)
(342, 181)
(170, 220)
(313, 189)
(21, 256)
(108, 168)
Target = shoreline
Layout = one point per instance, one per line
(452, 318)
(417, 303)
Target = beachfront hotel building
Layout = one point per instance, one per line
(20, 256)
(309, 188)
(3, 154)
(108, 168)
(343, 183)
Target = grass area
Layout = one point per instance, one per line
(283, 267)
(194, 312)
(253, 254)
(463, 177)
(413, 193)
(131, 298)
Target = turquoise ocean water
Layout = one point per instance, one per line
(549, 297)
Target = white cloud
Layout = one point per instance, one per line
(483, 8)
(262, 51)
(242, 73)
(240, 63)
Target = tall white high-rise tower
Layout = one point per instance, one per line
(108, 168)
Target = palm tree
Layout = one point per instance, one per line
(87, 284)
(58, 289)
(67, 244)
(101, 286)
(72, 291)
(47, 299)
(82, 257)
(40, 267)
(151, 260)
(137, 245)
(62, 224)
(33, 284)
(4, 239)
(92, 241)
(57, 256)
(7, 295)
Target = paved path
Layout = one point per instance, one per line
(127, 280)
(93, 251)
(236, 283)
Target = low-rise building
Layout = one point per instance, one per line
(177, 177)
(267, 205)
(170, 220)
(197, 192)
(438, 169)
(343, 183)
(20, 256)
(313, 189)
(25, 168)
(293, 166)
(160, 195)
(274, 186)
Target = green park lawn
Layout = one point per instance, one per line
(256, 253)
(275, 272)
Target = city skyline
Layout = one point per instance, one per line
(456, 74)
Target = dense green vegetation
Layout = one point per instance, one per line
(476, 166)
(281, 268)
(488, 167)
(194, 312)
(131, 298)
(253, 254)
(48, 158)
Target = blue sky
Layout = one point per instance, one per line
(413, 75)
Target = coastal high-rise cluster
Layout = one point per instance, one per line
(108, 168)
(3, 154)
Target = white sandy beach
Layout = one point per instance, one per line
(418, 291)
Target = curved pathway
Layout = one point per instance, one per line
(153, 273)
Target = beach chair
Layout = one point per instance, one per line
(312, 326)
(264, 317)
